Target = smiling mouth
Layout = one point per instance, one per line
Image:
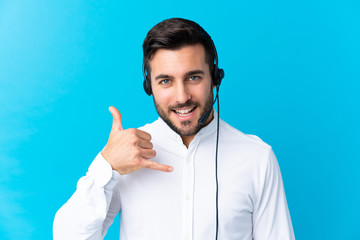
(184, 112)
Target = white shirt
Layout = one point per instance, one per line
(182, 204)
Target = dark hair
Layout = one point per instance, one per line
(173, 34)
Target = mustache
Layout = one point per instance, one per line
(188, 103)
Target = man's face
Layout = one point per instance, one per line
(182, 87)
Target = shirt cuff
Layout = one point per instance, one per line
(102, 173)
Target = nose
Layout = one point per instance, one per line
(182, 94)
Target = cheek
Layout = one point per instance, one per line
(162, 98)
(204, 93)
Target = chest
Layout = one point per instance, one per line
(184, 201)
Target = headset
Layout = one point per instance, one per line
(217, 75)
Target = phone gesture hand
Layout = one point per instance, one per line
(129, 150)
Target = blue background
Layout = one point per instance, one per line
(292, 78)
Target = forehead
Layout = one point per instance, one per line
(187, 58)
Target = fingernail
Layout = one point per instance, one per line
(170, 169)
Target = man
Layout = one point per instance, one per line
(165, 178)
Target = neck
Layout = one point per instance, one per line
(187, 139)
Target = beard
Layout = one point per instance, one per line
(188, 128)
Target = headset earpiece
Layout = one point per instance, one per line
(147, 87)
(218, 75)
(146, 83)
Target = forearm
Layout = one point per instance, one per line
(92, 208)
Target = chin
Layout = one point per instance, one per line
(188, 128)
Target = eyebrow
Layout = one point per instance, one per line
(194, 72)
(162, 76)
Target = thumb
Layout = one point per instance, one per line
(117, 122)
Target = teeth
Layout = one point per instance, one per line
(184, 111)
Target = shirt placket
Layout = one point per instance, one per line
(188, 194)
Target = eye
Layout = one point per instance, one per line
(164, 81)
(194, 78)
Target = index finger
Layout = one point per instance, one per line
(143, 135)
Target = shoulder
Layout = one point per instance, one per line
(230, 133)
(246, 146)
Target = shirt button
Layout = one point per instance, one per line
(187, 237)
(187, 197)
(189, 159)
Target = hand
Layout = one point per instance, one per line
(129, 150)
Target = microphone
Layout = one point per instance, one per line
(203, 118)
